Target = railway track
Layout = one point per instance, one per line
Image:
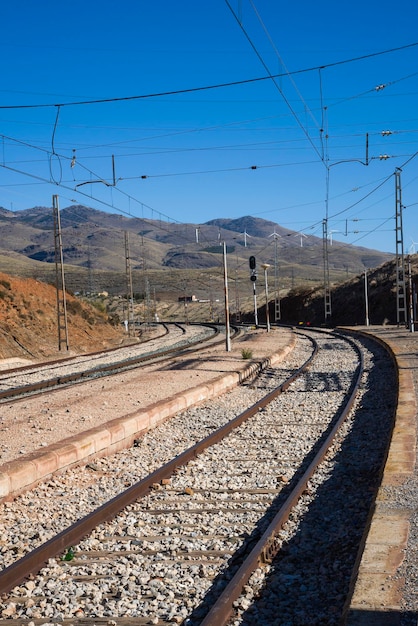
(184, 541)
(33, 379)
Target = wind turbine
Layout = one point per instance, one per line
(275, 235)
(245, 237)
(412, 248)
(301, 240)
(330, 235)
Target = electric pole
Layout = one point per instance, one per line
(277, 310)
(400, 260)
(327, 288)
(60, 278)
(411, 298)
(227, 327)
(129, 289)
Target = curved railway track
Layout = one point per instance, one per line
(180, 545)
(30, 380)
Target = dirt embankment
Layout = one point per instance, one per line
(29, 322)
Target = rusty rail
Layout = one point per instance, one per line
(32, 562)
(114, 368)
(267, 547)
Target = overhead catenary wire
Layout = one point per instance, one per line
(159, 213)
(273, 78)
(372, 90)
(94, 176)
(208, 87)
(89, 182)
(288, 74)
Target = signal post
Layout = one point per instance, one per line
(253, 278)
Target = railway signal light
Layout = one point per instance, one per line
(253, 276)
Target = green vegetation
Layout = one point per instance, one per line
(69, 555)
(99, 305)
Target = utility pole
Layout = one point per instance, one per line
(400, 261)
(366, 297)
(60, 278)
(265, 267)
(411, 298)
(129, 289)
(144, 276)
(237, 302)
(227, 327)
(147, 301)
(325, 232)
(253, 278)
(327, 288)
(277, 311)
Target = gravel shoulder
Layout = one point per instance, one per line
(33, 424)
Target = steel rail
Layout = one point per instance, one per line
(267, 547)
(63, 360)
(114, 368)
(32, 562)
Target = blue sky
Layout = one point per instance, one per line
(217, 142)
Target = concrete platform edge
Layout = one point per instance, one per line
(378, 589)
(22, 474)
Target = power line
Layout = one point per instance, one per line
(374, 89)
(282, 63)
(64, 185)
(208, 87)
(217, 171)
(273, 78)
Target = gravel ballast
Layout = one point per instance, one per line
(101, 478)
(326, 383)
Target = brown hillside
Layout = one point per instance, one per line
(28, 322)
(348, 299)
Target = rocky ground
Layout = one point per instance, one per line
(29, 328)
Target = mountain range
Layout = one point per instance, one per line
(97, 243)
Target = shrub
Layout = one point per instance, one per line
(99, 305)
(246, 353)
(74, 307)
